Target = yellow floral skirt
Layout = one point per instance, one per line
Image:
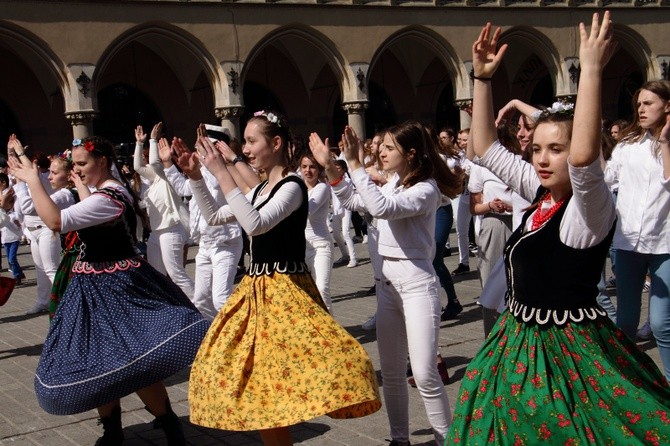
(274, 357)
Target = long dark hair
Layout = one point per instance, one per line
(634, 131)
(427, 162)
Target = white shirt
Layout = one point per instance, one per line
(63, 198)
(219, 234)
(318, 199)
(406, 216)
(643, 203)
(285, 201)
(483, 181)
(94, 210)
(590, 213)
(164, 206)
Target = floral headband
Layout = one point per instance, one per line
(269, 116)
(66, 155)
(559, 108)
(88, 145)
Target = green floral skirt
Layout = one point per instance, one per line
(572, 385)
(63, 273)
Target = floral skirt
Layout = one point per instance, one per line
(573, 385)
(274, 357)
(61, 279)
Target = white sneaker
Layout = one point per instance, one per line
(353, 263)
(370, 324)
(37, 309)
(644, 333)
(365, 239)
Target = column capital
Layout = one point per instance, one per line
(81, 117)
(229, 112)
(356, 108)
(463, 104)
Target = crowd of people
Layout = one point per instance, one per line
(545, 194)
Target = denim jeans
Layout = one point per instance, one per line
(443, 221)
(10, 250)
(631, 270)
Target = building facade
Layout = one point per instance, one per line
(76, 68)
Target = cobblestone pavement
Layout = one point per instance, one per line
(22, 422)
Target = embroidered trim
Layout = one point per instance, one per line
(83, 267)
(544, 316)
(288, 267)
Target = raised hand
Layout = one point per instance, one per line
(140, 136)
(210, 156)
(7, 199)
(226, 151)
(156, 130)
(164, 151)
(320, 150)
(485, 57)
(186, 160)
(23, 170)
(352, 147)
(596, 47)
(14, 146)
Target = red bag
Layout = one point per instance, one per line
(6, 288)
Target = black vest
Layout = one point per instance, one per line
(282, 248)
(549, 282)
(111, 241)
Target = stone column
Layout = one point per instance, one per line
(230, 120)
(81, 122)
(356, 117)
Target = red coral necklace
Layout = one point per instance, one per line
(542, 214)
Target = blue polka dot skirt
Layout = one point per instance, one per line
(120, 327)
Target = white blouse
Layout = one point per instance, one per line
(643, 202)
(318, 199)
(590, 213)
(94, 210)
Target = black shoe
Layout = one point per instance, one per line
(399, 443)
(447, 252)
(371, 291)
(171, 425)
(451, 311)
(461, 269)
(113, 431)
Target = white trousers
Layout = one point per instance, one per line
(408, 320)
(463, 217)
(165, 252)
(45, 249)
(340, 225)
(215, 269)
(319, 258)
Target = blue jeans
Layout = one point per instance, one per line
(10, 250)
(631, 270)
(443, 221)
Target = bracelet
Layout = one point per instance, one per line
(482, 78)
(336, 182)
(19, 154)
(663, 141)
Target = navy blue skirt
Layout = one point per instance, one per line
(120, 327)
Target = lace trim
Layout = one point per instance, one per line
(545, 316)
(288, 267)
(83, 267)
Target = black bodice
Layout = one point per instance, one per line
(548, 281)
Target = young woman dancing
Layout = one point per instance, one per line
(408, 300)
(273, 356)
(122, 326)
(555, 369)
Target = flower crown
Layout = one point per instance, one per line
(66, 155)
(559, 108)
(269, 116)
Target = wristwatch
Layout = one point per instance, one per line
(236, 159)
